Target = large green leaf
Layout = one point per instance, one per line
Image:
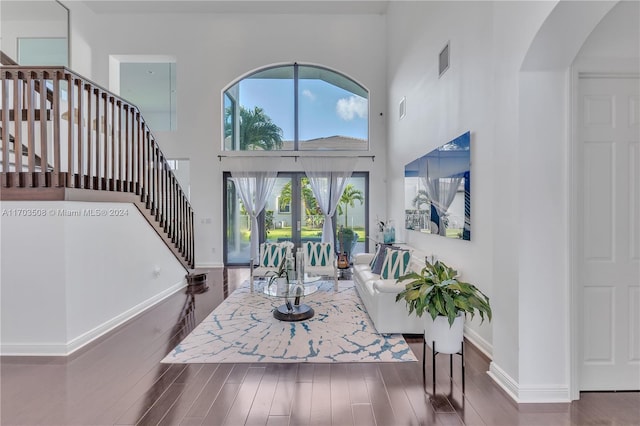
(410, 276)
(437, 290)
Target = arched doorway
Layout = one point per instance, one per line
(551, 62)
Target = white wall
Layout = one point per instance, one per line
(542, 234)
(212, 51)
(440, 109)
(85, 36)
(32, 278)
(515, 24)
(614, 45)
(509, 84)
(41, 19)
(68, 279)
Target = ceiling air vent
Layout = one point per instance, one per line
(443, 60)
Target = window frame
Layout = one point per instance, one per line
(296, 113)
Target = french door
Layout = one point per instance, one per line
(292, 214)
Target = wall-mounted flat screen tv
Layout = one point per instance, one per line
(438, 190)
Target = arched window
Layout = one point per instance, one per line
(296, 108)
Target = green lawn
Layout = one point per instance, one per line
(274, 234)
(454, 233)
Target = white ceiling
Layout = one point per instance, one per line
(240, 6)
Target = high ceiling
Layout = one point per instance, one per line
(141, 79)
(240, 6)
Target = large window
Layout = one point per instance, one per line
(295, 108)
(292, 214)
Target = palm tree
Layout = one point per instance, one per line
(349, 196)
(420, 199)
(442, 220)
(285, 196)
(311, 206)
(257, 131)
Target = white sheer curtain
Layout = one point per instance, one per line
(255, 189)
(328, 177)
(440, 190)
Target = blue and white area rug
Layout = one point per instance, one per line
(243, 329)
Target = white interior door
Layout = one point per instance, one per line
(608, 266)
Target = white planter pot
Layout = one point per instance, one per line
(448, 340)
(281, 286)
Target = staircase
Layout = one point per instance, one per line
(63, 137)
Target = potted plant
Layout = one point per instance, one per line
(347, 239)
(437, 291)
(280, 277)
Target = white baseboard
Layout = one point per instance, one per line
(528, 394)
(545, 394)
(503, 380)
(479, 342)
(61, 349)
(33, 349)
(106, 327)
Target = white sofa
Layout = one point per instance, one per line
(379, 298)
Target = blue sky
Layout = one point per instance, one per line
(325, 109)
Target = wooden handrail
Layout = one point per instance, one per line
(6, 59)
(79, 135)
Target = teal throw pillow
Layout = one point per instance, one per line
(318, 254)
(272, 255)
(396, 263)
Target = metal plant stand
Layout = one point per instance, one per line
(433, 361)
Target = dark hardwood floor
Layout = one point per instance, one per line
(119, 380)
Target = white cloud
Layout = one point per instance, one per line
(349, 108)
(309, 94)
